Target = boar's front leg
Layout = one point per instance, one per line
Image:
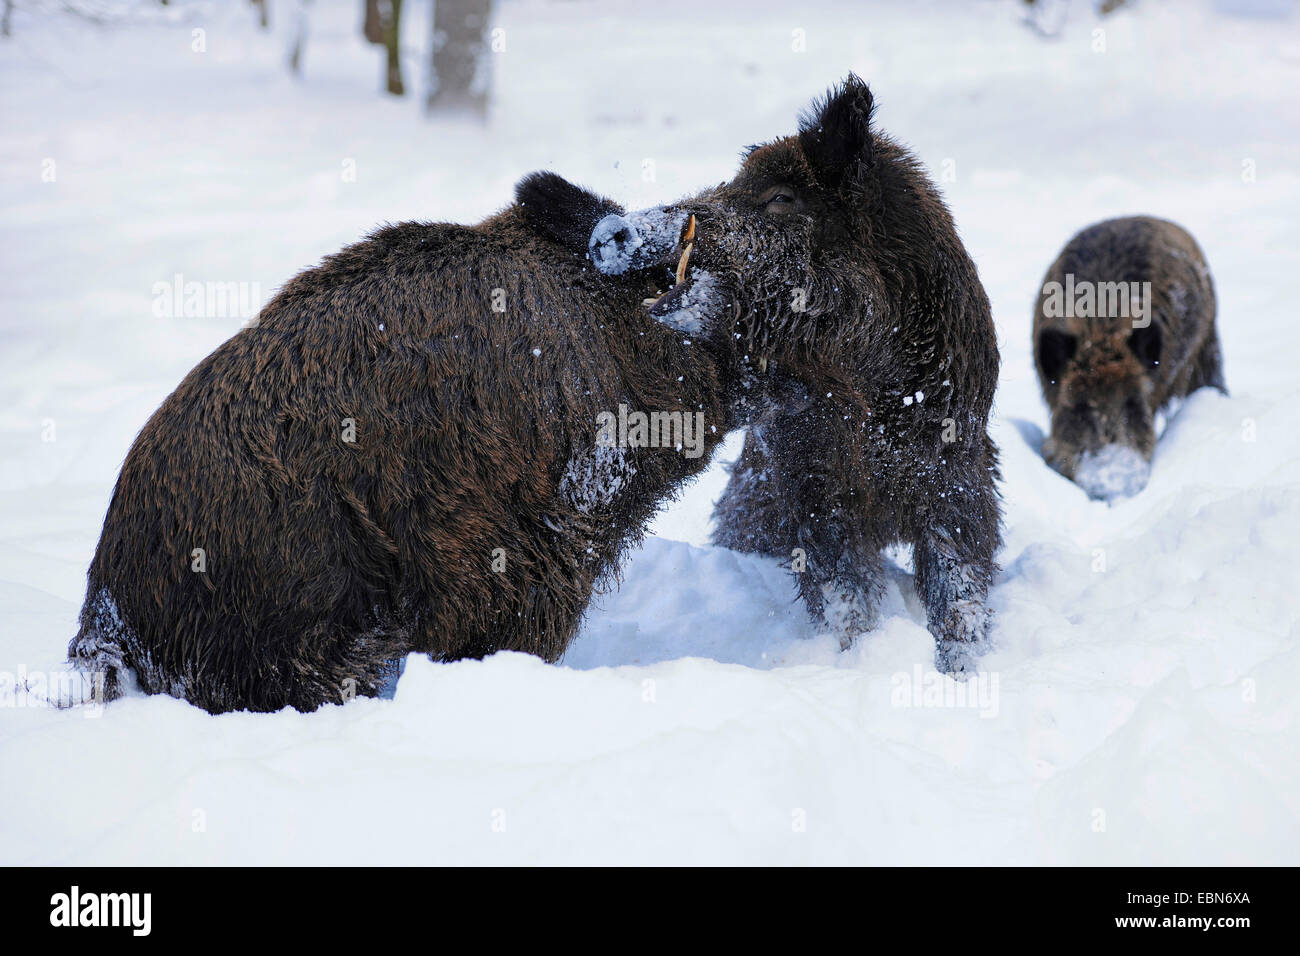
(791, 502)
(843, 582)
(954, 556)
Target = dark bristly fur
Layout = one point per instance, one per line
(1104, 379)
(327, 559)
(889, 442)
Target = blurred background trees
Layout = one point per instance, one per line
(457, 71)
(381, 24)
(457, 78)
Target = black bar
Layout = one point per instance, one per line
(329, 906)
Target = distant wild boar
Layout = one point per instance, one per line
(411, 451)
(1124, 326)
(847, 274)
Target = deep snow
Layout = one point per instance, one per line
(1138, 707)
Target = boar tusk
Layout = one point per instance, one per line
(681, 263)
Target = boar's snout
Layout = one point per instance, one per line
(1112, 471)
(613, 243)
(637, 240)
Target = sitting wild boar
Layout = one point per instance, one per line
(1125, 326)
(847, 273)
(421, 446)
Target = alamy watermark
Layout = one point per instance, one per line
(178, 298)
(932, 689)
(1086, 299)
(60, 688)
(129, 910)
(683, 431)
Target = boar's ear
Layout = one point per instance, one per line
(560, 210)
(836, 134)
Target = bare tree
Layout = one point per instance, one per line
(390, 12)
(372, 26)
(457, 67)
(1047, 17)
(299, 37)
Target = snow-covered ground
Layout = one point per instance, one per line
(1140, 706)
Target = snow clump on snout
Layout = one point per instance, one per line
(636, 240)
(1112, 471)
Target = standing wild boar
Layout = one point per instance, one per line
(847, 273)
(413, 450)
(1124, 326)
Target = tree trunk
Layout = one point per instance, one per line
(392, 41)
(299, 38)
(372, 27)
(457, 71)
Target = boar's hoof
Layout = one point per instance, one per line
(963, 639)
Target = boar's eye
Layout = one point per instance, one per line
(1054, 350)
(780, 199)
(1145, 344)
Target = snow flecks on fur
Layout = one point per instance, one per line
(96, 655)
(100, 643)
(957, 657)
(593, 479)
(953, 592)
(847, 613)
(697, 307)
